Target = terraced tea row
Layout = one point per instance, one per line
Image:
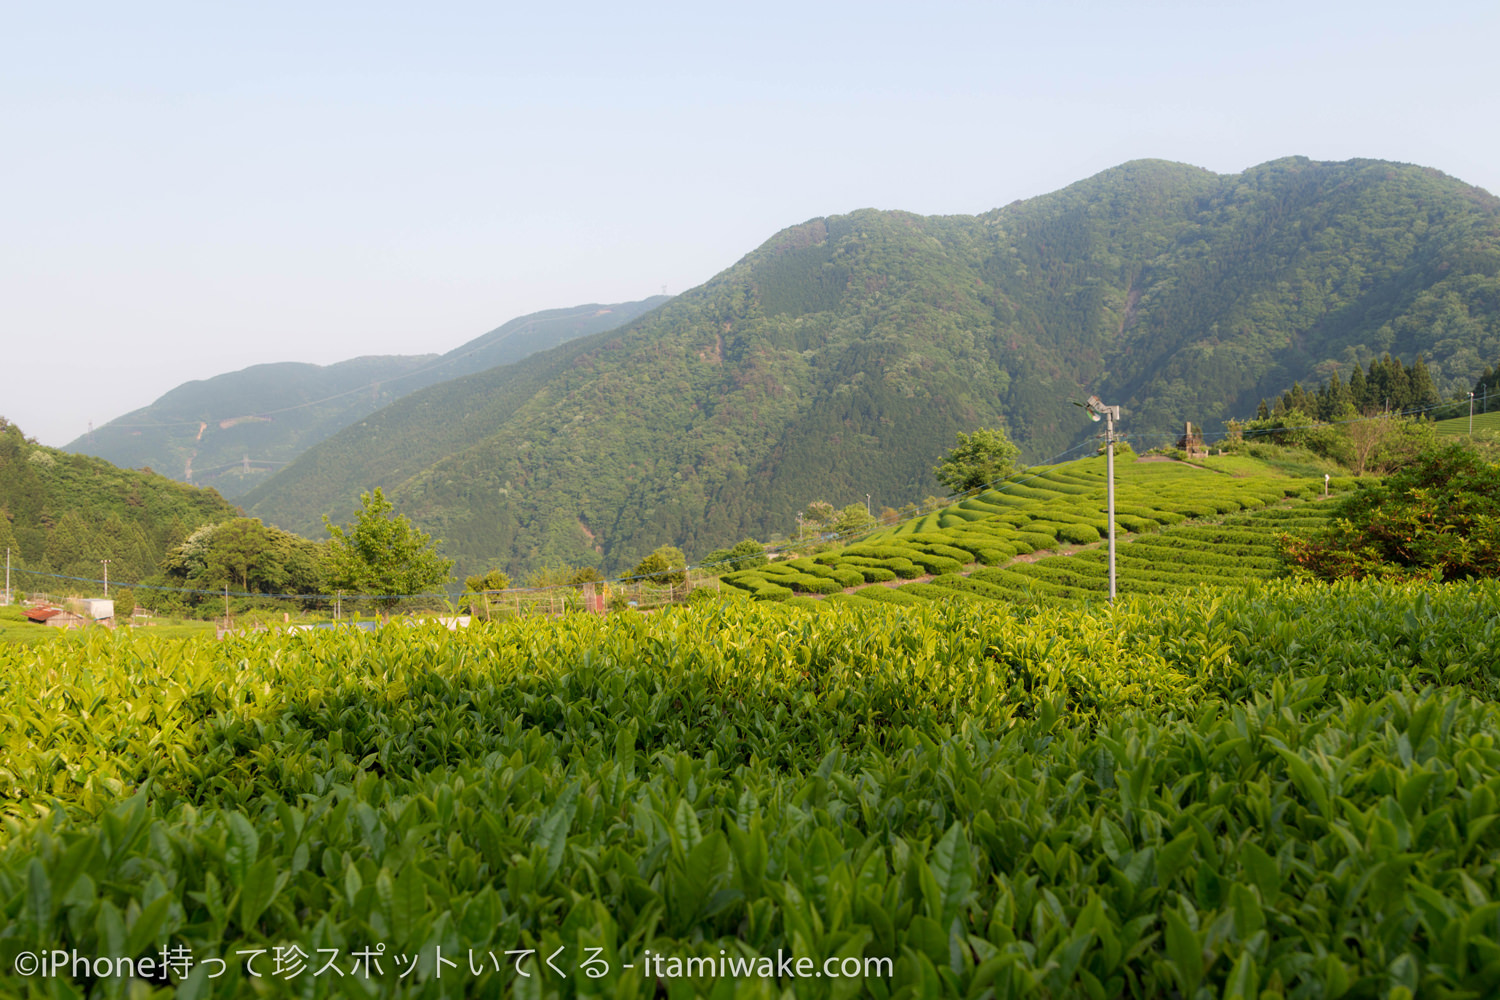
(1060, 508)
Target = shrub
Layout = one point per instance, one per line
(1077, 534)
(1035, 540)
(849, 577)
(1438, 518)
(888, 596)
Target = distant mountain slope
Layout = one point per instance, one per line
(839, 358)
(233, 430)
(62, 514)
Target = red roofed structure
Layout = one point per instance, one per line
(56, 617)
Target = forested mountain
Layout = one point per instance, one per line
(62, 514)
(840, 358)
(234, 430)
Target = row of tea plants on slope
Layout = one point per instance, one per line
(1057, 508)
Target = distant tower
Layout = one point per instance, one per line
(91, 432)
(247, 464)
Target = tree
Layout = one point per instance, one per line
(124, 599)
(853, 519)
(234, 550)
(981, 458)
(1383, 442)
(1360, 391)
(666, 567)
(246, 555)
(481, 582)
(477, 589)
(820, 514)
(1423, 392)
(383, 555)
(747, 554)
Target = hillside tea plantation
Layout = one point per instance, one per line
(1186, 526)
(1289, 790)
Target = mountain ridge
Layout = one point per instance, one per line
(841, 356)
(237, 411)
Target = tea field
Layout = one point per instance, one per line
(1179, 526)
(1273, 790)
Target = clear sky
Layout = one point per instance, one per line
(191, 188)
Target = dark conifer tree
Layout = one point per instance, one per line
(1421, 391)
(1360, 389)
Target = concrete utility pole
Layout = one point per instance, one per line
(106, 576)
(1471, 414)
(1109, 414)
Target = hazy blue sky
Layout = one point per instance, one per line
(189, 189)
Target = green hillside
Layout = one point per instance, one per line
(61, 514)
(234, 430)
(1484, 423)
(840, 358)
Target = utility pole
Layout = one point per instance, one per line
(7, 576)
(106, 576)
(1110, 414)
(867, 506)
(1471, 414)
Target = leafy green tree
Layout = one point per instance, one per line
(746, 554)
(247, 556)
(383, 554)
(124, 599)
(981, 458)
(235, 548)
(481, 582)
(477, 588)
(585, 574)
(820, 514)
(853, 519)
(1378, 443)
(666, 567)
